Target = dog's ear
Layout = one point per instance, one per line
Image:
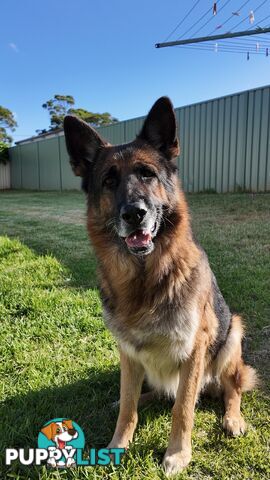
(160, 130)
(68, 423)
(48, 431)
(83, 144)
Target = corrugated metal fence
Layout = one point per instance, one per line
(4, 176)
(42, 165)
(225, 147)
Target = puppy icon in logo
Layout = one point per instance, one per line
(61, 442)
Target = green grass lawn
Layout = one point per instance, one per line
(58, 359)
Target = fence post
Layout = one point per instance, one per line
(60, 164)
(38, 165)
(20, 155)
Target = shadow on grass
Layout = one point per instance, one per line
(85, 401)
(68, 243)
(89, 403)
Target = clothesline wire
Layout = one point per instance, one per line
(198, 21)
(182, 21)
(246, 18)
(258, 44)
(210, 19)
(224, 50)
(231, 16)
(259, 24)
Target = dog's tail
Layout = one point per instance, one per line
(230, 358)
(248, 378)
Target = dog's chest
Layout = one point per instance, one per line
(163, 340)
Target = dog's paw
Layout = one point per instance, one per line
(116, 445)
(234, 425)
(174, 463)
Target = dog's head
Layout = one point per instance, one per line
(60, 431)
(131, 188)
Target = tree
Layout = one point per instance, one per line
(95, 119)
(61, 105)
(40, 131)
(7, 120)
(58, 107)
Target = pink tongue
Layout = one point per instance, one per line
(138, 239)
(61, 443)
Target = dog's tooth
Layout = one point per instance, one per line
(135, 237)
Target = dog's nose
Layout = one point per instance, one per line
(133, 214)
(71, 431)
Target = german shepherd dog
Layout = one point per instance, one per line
(160, 298)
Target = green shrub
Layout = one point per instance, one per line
(4, 155)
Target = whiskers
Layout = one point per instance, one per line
(165, 218)
(111, 226)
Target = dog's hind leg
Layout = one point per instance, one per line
(235, 378)
(132, 374)
(233, 421)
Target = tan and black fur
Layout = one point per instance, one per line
(160, 298)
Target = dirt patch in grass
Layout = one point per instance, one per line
(76, 217)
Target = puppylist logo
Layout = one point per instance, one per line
(61, 444)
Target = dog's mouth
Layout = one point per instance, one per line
(140, 242)
(138, 239)
(61, 443)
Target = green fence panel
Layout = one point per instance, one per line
(208, 137)
(68, 180)
(189, 167)
(232, 155)
(179, 113)
(224, 146)
(133, 128)
(214, 147)
(115, 134)
(202, 147)
(30, 166)
(49, 164)
(264, 136)
(16, 167)
(241, 142)
(249, 140)
(255, 152)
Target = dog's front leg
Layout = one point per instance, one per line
(132, 374)
(178, 454)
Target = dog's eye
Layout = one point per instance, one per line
(58, 430)
(146, 173)
(65, 429)
(109, 182)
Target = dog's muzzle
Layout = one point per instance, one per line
(138, 227)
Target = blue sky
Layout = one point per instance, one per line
(103, 54)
